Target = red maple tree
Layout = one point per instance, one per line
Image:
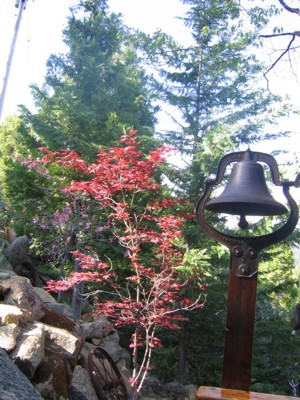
(145, 225)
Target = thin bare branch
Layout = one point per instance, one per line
(289, 9)
(279, 58)
(272, 35)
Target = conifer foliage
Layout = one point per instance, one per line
(96, 91)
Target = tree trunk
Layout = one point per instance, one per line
(182, 349)
(77, 296)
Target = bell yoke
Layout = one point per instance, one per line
(246, 194)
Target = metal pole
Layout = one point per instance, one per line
(11, 55)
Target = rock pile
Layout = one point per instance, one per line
(43, 352)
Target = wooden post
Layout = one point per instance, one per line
(239, 332)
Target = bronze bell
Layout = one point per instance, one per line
(246, 193)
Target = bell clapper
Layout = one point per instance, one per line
(243, 224)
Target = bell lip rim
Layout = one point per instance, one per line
(247, 208)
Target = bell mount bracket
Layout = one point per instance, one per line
(245, 250)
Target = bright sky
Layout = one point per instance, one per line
(40, 36)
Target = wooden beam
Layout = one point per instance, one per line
(239, 332)
(211, 393)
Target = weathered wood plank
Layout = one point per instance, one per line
(212, 393)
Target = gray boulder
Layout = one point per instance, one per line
(23, 295)
(5, 265)
(30, 348)
(13, 315)
(13, 384)
(8, 336)
(66, 343)
(17, 251)
(81, 387)
(60, 308)
(94, 330)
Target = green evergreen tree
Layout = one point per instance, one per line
(212, 87)
(94, 92)
(91, 96)
(217, 106)
(98, 90)
(18, 185)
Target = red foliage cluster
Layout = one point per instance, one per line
(122, 181)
